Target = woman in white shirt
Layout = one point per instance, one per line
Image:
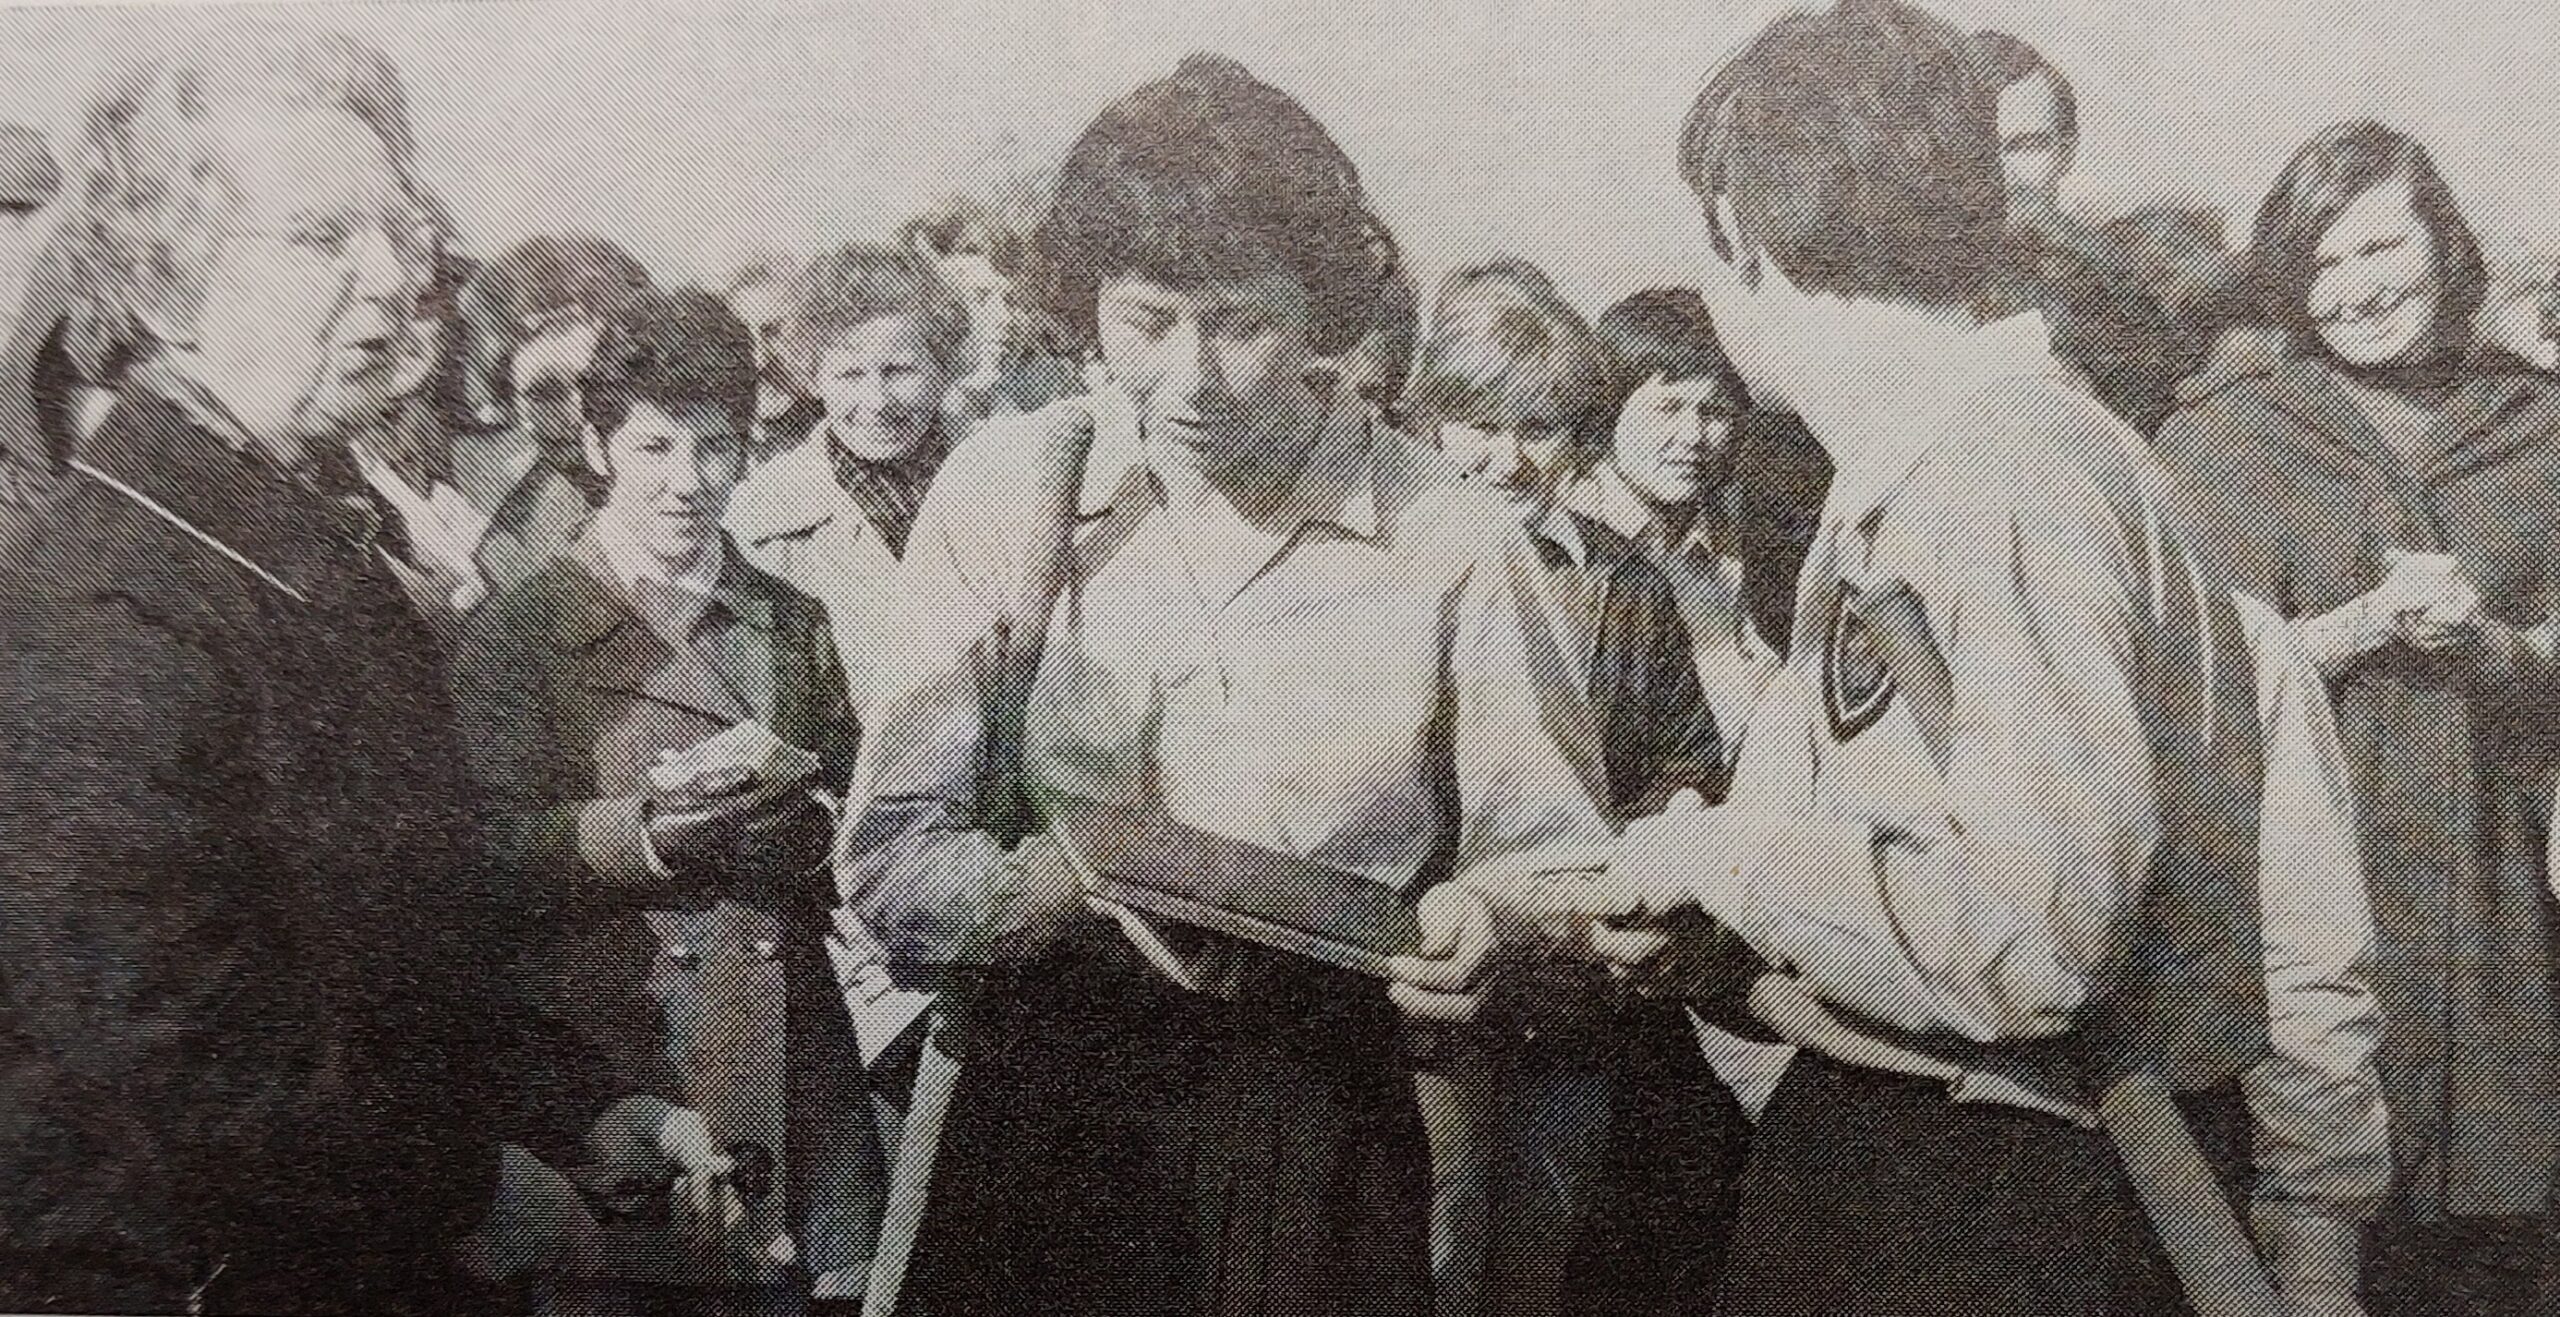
(1218, 591)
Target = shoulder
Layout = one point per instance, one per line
(786, 496)
(514, 633)
(2242, 366)
(93, 665)
(1431, 513)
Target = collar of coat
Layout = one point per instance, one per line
(2491, 386)
(273, 525)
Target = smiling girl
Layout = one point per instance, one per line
(2379, 475)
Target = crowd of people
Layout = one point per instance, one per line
(1976, 760)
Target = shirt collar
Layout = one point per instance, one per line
(1337, 483)
(1607, 497)
(682, 599)
(1878, 425)
(792, 493)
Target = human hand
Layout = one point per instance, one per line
(1439, 980)
(756, 833)
(705, 1202)
(2446, 617)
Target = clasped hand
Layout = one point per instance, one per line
(736, 827)
(1514, 914)
(2431, 601)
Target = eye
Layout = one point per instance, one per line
(1147, 322)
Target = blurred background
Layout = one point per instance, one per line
(697, 133)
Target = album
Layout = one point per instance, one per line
(1151, 863)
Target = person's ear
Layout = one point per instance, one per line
(592, 443)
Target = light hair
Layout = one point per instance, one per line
(149, 175)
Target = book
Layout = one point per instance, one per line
(748, 752)
(1158, 866)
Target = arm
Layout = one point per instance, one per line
(130, 917)
(544, 824)
(919, 863)
(2323, 1147)
(1985, 900)
(1527, 776)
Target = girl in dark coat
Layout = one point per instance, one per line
(2392, 484)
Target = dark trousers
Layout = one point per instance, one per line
(1875, 1195)
(1653, 1242)
(2458, 1267)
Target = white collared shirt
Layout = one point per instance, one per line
(1981, 888)
(1334, 701)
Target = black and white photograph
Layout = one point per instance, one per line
(1309, 658)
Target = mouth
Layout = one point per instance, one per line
(2371, 313)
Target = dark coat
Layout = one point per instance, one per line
(701, 997)
(1657, 736)
(532, 525)
(1780, 478)
(245, 930)
(2300, 497)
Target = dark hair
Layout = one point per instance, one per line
(2004, 61)
(1860, 152)
(550, 273)
(673, 348)
(1210, 172)
(1395, 334)
(2338, 165)
(865, 281)
(1666, 332)
(1503, 342)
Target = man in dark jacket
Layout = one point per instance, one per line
(247, 939)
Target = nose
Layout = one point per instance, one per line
(685, 479)
(1192, 371)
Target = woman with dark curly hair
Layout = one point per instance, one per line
(2381, 476)
(1216, 591)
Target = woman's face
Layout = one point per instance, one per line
(309, 321)
(1674, 438)
(883, 388)
(2376, 295)
(1218, 367)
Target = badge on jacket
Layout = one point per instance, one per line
(1857, 683)
(1878, 646)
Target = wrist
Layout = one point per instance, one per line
(2307, 1251)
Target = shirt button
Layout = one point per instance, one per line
(767, 948)
(684, 956)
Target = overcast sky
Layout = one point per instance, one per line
(698, 131)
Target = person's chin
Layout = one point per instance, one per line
(877, 444)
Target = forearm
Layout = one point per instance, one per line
(1911, 931)
(942, 897)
